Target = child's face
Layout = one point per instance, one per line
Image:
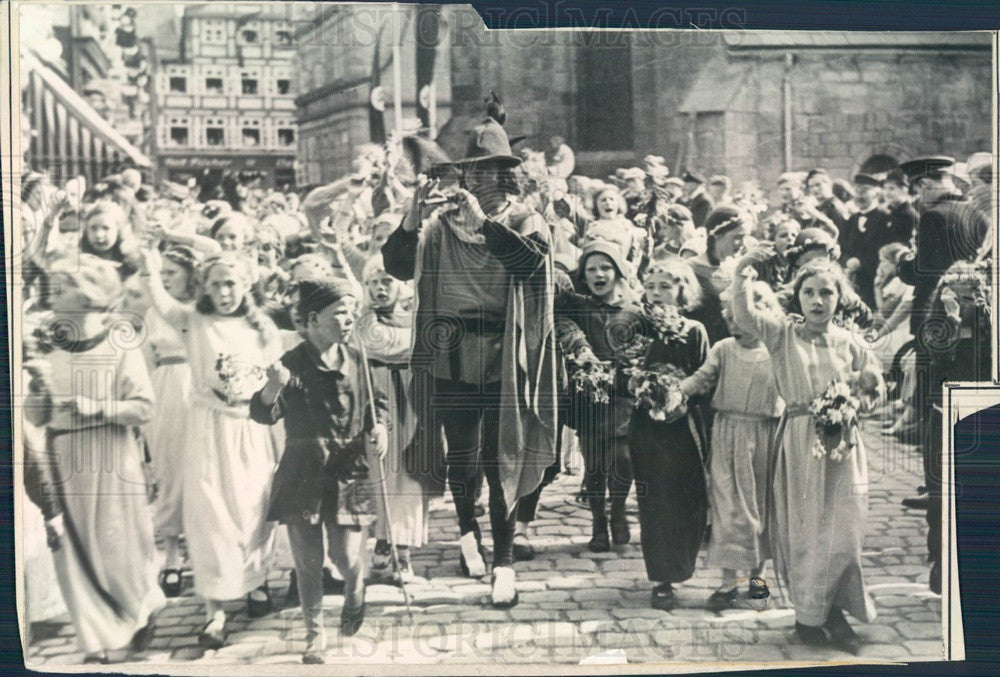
(818, 298)
(729, 244)
(383, 289)
(267, 254)
(102, 232)
(600, 275)
(136, 300)
(784, 236)
(175, 279)
(230, 238)
(662, 289)
(333, 324)
(607, 204)
(226, 289)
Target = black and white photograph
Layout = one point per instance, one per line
(368, 335)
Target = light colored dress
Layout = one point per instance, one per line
(387, 343)
(820, 506)
(172, 385)
(747, 408)
(230, 460)
(100, 465)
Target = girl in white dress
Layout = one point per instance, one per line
(230, 460)
(172, 385)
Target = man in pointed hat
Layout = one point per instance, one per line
(950, 230)
(484, 340)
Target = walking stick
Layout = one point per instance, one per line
(383, 491)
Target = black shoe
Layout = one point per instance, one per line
(841, 633)
(523, 550)
(351, 618)
(215, 639)
(721, 599)
(812, 635)
(620, 532)
(257, 608)
(934, 582)
(292, 596)
(758, 589)
(599, 543)
(331, 585)
(170, 582)
(662, 597)
(916, 502)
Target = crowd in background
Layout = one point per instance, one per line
(168, 329)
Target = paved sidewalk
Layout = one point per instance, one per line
(575, 604)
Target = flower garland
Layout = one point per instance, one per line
(834, 413)
(668, 323)
(658, 391)
(594, 379)
(238, 379)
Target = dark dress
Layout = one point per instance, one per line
(669, 471)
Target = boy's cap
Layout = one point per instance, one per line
(315, 295)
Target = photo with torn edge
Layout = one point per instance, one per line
(362, 335)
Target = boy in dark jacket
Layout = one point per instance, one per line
(322, 481)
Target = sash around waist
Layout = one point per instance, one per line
(174, 359)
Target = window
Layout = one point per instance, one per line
(178, 84)
(284, 85)
(249, 85)
(283, 38)
(215, 136)
(249, 36)
(179, 136)
(286, 137)
(213, 85)
(251, 137)
(604, 92)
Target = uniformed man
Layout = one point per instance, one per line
(949, 230)
(903, 216)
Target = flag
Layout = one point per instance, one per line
(376, 96)
(427, 27)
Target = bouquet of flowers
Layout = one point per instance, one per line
(835, 413)
(595, 379)
(238, 379)
(658, 390)
(667, 322)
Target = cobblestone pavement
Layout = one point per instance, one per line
(575, 605)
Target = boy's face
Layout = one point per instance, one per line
(784, 236)
(333, 324)
(383, 290)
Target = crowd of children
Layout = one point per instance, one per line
(714, 351)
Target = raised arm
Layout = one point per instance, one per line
(765, 326)
(172, 310)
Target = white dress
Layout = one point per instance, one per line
(230, 460)
(105, 493)
(172, 385)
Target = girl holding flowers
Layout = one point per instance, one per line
(820, 505)
(665, 435)
(747, 408)
(230, 460)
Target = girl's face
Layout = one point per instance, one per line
(175, 279)
(230, 237)
(607, 204)
(662, 289)
(784, 236)
(333, 324)
(600, 275)
(383, 289)
(65, 298)
(729, 244)
(226, 288)
(102, 232)
(818, 298)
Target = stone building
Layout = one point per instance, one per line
(748, 104)
(227, 102)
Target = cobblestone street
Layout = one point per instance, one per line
(575, 605)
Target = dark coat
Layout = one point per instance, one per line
(700, 206)
(862, 238)
(323, 473)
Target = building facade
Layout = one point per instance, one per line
(227, 102)
(342, 53)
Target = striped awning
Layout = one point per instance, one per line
(69, 137)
